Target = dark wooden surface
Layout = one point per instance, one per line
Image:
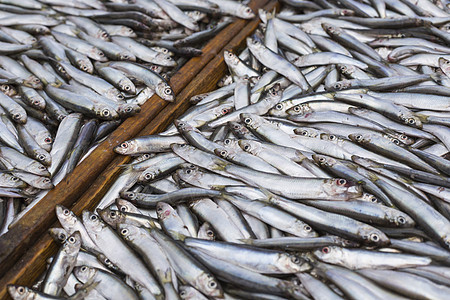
(25, 248)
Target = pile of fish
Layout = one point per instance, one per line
(316, 171)
(70, 71)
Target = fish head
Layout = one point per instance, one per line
(308, 132)
(164, 210)
(19, 116)
(43, 183)
(66, 217)
(106, 113)
(92, 222)
(165, 91)
(188, 292)
(245, 12)
(346, 69)
(254, 43)
(98, 54)
(401, 220)
(127, 232)
(58, 234)
(291, 263)
(127, 147)
(230, 58)
(359, 138)
(110, 216)
(323, 160)
(339, 85)
(209, 285)
(251, 121)
(346, 12)
(238, 128)
(8, 90)
(33, 82)
(85, 65)
(165, 60)
(329, 254)
(128, 195)
(126, 206)
(206, 232)
(128, 110)
(189, 173)
(444, 64)
(20, 292)
(342, 188)
(43, 157)
(72, 244)
(182, 125)
(411, 120)
(373, 236)
(279, 109)
(299, 109)
(127, 86)
(149, 174)
(223, 153)
(330, 29)
(84, 273)
(127, 56)
(222, 110)
(250, 146)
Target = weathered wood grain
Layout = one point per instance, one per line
(25, 248)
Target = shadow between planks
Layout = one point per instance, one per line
(26, 247)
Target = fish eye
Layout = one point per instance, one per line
(248, 10)
(279, 106)
(401, 220)
(304, 133)
(210, 233)
(124, 145)
(21, 289)
(223, 153)
(47, 180)
(246, 147)
(13, 178)
(93, 218)
(374, 237)
(307, 228)
(295, 259)
(326, 250)
(113, 214)
(48, 140)
(62, 236)
(127, 87)
(395, 141)
(128, 109)
(359, 137)
(332, 137)
(338, 86)
(125, 56)
(227, 141)
(212, 284)
(411, 121)
(124, 231)
(224, 111)
(297, 108)
(41, 157)
(322, 160)
(247, 120)
(42, 168)
(66, 212)
(101, 53)
(83, 269)
(183, 293)
(188, 171)
(105, 112)
(71, 240)
(374, 199)
(123, 208)
(168, 91)
(168, 58)
(36, 102)
(341, 181)
(120, 96)
(148, 176)
(17, 116)
(84, 67)
(159, 209)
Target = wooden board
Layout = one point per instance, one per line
(25, 248)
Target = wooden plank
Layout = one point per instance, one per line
(159, 114)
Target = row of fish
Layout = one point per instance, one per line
(70, 71)
(316, 170)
